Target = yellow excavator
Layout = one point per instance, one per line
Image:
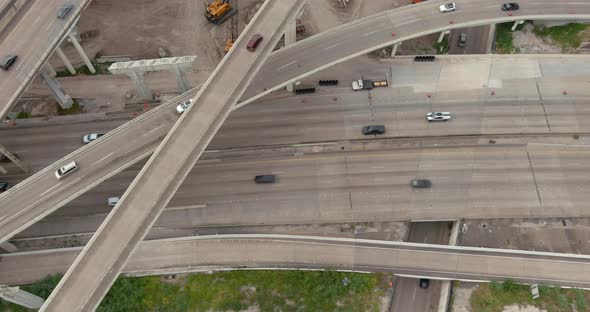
(218, 11)
(228, 44)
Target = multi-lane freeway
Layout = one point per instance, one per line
(207, 253)
(360, 184)
(526, 101)
(34, 39)
(96, 268)
(287, 65)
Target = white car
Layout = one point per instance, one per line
(449, 7)
(112, 201)
(183, 106)
(91, 137)
(438, 116)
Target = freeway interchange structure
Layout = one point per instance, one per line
(185, 139)
(222, 252)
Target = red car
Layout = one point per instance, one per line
(253, 43)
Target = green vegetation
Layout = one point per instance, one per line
(504, 38)
(443, 46)
(269, 290)
(494, 296)
(75, 109)
(23, 115)
(101, 69)
(567, 36)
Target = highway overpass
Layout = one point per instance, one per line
(284, 66)
(97, 267)
(223, 252)
(34, 39)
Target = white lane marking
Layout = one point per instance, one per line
(332, 46)
(372, 32)
(147, 133)
(277, 172)
(287, 64)
(100, 160)
(313, 117)
(49, 190)
(409, 22)
(491, 6)
(37, 20)
(264, 120)
(377, 167)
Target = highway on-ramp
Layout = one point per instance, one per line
(103, 258)
(219, 252)
(290, 64)
(33, 40)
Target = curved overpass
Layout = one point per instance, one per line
(138, 138)
(222, 252)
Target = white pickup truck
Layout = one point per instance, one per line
(363, 84)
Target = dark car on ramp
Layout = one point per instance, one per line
(265, 178)
(421, 183)
(374, 129)
(512, 6)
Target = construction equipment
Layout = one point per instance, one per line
(228, 45)
(218, 11)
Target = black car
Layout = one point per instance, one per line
(265, 178)
(7, 61)
(421, 183)
(4, 159)
(64, 10)
(424, 283)
(512, 6)
(374, 129)
(4, 186)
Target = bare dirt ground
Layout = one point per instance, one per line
(525, 41)
(555, 235)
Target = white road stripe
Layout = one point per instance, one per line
(332, 46)
(409, 22)
(153, 130)
(49, 190)
(287, 64)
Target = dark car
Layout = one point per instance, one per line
(4, 186)
(424, 283)
(253, 43)
(4, 159)
(7, 61)
(374, 129)
(512, 6)
(65, 10)
(462, 39)
(421, 183)
(265, 178)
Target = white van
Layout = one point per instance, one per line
(65, 170)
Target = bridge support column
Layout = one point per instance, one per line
(445, 289)
(442, 35)
(516, 25)
(144, 91)
(49, 70)
(8, 247)
(291, 38)
(394, 49)
(21, 297)
(14, 159)
(76, 44)
(64, 100)
(64, 59)
(182, 85)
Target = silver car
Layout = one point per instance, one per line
(183, 106)
(449, 7)
(438, 116)
(112, 201)
(91, 137)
